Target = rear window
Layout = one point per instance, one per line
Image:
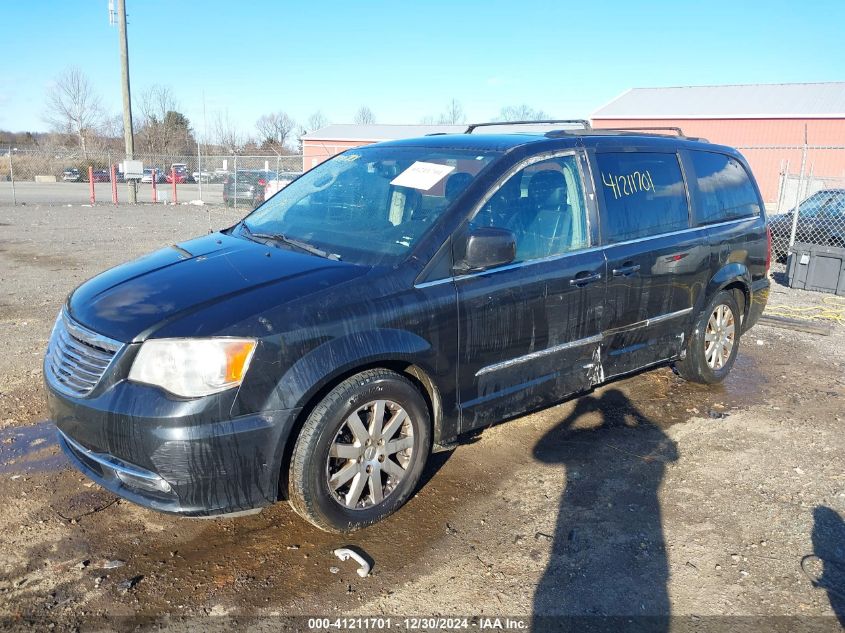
(725, 191)
(644, 195)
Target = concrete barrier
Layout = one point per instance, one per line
(45, 179)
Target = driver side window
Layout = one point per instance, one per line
(543, 206)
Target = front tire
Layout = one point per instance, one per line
(361, 452)
(713, 346)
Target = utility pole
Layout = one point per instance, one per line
(128, 135)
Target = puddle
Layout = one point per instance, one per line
(28, 449)
(666, 399)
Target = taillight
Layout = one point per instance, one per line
(768, 248)
(262, 182)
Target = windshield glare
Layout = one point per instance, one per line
(370, 205)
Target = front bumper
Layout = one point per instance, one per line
(180, 456)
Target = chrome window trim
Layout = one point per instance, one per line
(597, 338)
(456, 278)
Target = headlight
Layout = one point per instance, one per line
(193, 367)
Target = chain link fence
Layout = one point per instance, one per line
(38, 176)
(809, 178)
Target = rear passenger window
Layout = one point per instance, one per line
(644, 195)
(725, 191)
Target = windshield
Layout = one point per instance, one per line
(823, 203)
(370, 205)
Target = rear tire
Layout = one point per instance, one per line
(361, 452)
(711, 350)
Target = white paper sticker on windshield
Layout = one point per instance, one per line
(422, 175)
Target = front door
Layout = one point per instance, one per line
(529, 331)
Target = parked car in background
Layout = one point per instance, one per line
(279, 182)
(148, 175)
(821, 221)
(179, 172)
(71, 174)
(394, 298)
(99, 175)
(204, 176)
(246, 186)
(220, 175)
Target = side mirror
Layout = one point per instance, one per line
(486, 247)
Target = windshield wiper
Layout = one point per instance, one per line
(281, 237)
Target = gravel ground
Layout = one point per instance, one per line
(648, 497)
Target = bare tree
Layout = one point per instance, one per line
(521, 113)
(225, 132)
(73, 107)
(316, 121)
(274, 130)
(364, 116)
(162, 129)
(454, 113)
(154, 103)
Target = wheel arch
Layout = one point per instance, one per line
(736, 278)
(406, 361)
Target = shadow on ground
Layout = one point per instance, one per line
(829, 550)
(608, 555)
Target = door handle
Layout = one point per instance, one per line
(584, 279)
(624, 271)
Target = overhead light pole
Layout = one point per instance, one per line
(128, 135)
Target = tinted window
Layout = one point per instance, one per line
(724, 190)
(543, 205)
(644, 195)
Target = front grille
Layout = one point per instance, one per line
(76, 357)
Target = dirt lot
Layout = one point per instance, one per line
(649, 497)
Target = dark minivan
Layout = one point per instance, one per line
(394, 298)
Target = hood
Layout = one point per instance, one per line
(130, 301)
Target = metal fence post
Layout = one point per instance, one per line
(798, 192)
(783, 180)
(12, 178)
(91, 184)
(113, 175)
(236, 182)
(199, 167)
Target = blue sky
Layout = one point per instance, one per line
(406, 60)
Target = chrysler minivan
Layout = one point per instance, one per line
(395, 298)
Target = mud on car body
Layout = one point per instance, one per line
(394, 298)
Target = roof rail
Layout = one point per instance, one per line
(646, 128)
(584, 124)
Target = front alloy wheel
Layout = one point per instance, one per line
(361, 451)
(370, 454)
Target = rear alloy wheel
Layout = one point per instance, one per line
(361, 452)
(719, 337)
(713, 346)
